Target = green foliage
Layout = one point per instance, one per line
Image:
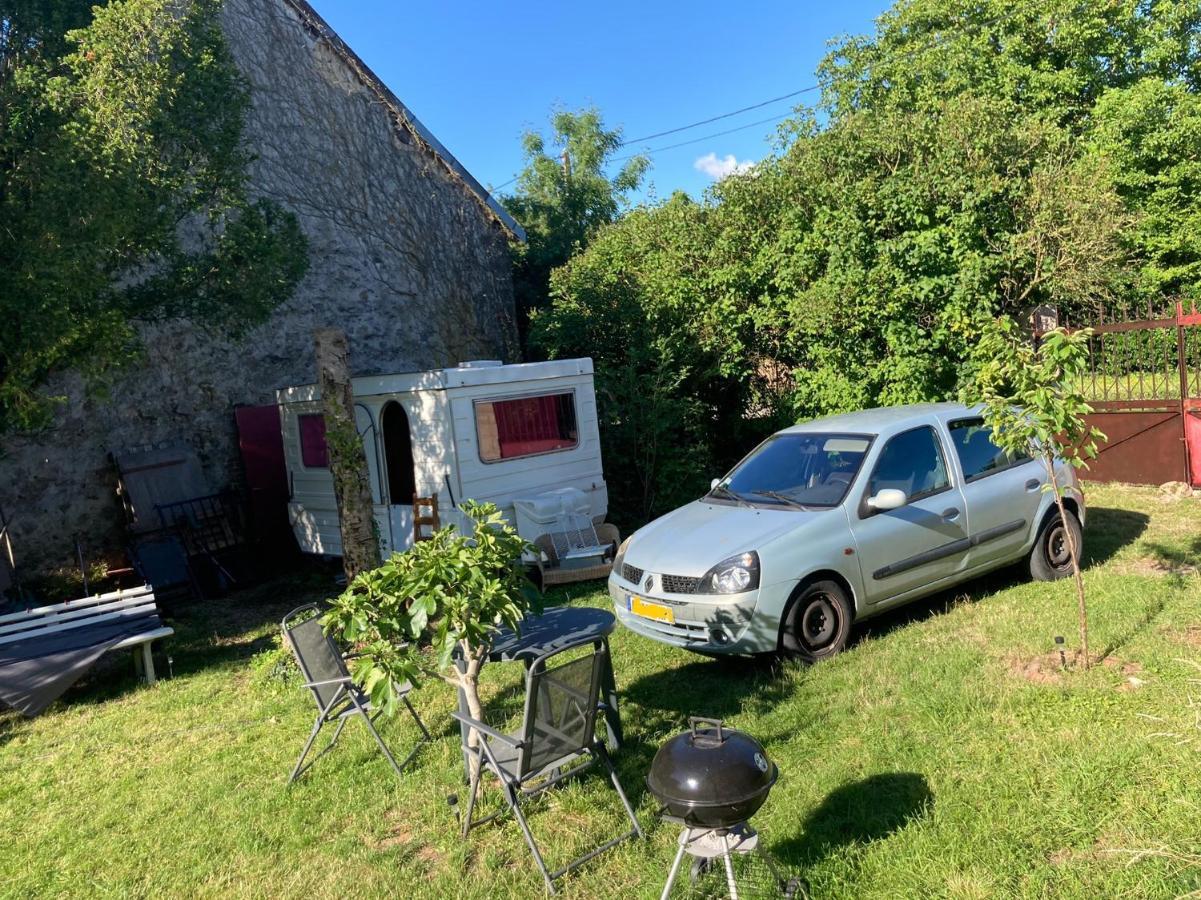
(1031, 395)
(671, 367)
(1033, 403)
(970, 159)
(408, 618)
(122, 195)
(564, 197)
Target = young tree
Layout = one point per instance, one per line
(564, 197)
(122, 194)
(448, 594)
(1032, 399)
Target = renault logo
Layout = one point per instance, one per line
(649, 584)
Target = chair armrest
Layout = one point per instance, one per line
(491, 732)
(345, 679)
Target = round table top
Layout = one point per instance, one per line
(557, 627)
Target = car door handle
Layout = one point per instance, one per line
(950, 514)
(1033, 484)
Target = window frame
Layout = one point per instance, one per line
(866, 512)
(475, 424)
(972, 479)
(300, 416)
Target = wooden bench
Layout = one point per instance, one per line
(104, 608)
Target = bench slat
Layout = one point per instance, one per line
(100, 599)
(78, 619)
(77, 612)
(144, 637)
(54, 629)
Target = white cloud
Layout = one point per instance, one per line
(718, 168)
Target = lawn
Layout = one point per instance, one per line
(943, 754)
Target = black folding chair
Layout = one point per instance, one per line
(557, 740)
(334, 691)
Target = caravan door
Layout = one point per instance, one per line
(400, 480)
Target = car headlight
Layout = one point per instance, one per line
(621, 553)
(732, 576)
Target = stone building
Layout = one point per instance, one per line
(408, 254)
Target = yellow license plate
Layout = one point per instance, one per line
(649, 610)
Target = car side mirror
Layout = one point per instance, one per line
(886, 499)
(714, 483)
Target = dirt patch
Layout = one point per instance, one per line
(400, 838)
(1045, 669)
(1190, 635)
(1151, 566)
(1049, 669)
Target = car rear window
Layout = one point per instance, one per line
(978, 455)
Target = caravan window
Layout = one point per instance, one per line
(313, 452)
(525, 426)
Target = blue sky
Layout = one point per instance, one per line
(479, 74)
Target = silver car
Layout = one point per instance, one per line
(827, 523)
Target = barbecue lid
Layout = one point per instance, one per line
(710, 765)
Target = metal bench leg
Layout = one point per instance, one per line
(147, 663)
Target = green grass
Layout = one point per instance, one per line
(930, 759)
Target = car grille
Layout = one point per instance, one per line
(632, 574)
(680, 584)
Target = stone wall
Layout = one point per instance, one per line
(403, 256)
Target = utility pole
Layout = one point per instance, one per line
(566, 157)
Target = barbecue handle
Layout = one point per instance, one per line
(694, 720)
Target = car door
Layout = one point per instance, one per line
(1002, 493)
(924, 542)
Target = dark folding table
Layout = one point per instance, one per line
(559, 626)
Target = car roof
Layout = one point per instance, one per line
(885, 418)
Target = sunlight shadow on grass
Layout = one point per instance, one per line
(1108, 530)
(858, 813)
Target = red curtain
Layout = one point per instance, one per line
(313, 451)
(530, 425)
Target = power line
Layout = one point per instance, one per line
(736, 112)
(698, 140)
(706, 137)
(987, 23)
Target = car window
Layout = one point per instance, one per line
(811, 469)
(911, 462)
(978, 455)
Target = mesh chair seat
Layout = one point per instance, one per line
(558, 728)
(507, 758)
(336, 695)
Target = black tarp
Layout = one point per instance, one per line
(37, 671)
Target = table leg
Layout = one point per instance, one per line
(612, 713)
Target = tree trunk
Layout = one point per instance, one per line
(347, 459)
(469, 683)
(1073, 551)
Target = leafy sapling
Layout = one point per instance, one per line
(1032, 402)
(433, 610)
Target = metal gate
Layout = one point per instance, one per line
(1144, 384)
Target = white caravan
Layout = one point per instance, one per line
(522, 436)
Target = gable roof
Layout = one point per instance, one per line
(402, 117)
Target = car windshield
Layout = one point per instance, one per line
(806, 469)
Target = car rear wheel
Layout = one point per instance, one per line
(1051, 558)
(818, 622)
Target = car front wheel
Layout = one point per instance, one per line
(818, 622)
(1051, 558)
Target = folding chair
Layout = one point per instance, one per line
(334, 691)
(558, 730)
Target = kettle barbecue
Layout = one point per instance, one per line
(711, 779)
